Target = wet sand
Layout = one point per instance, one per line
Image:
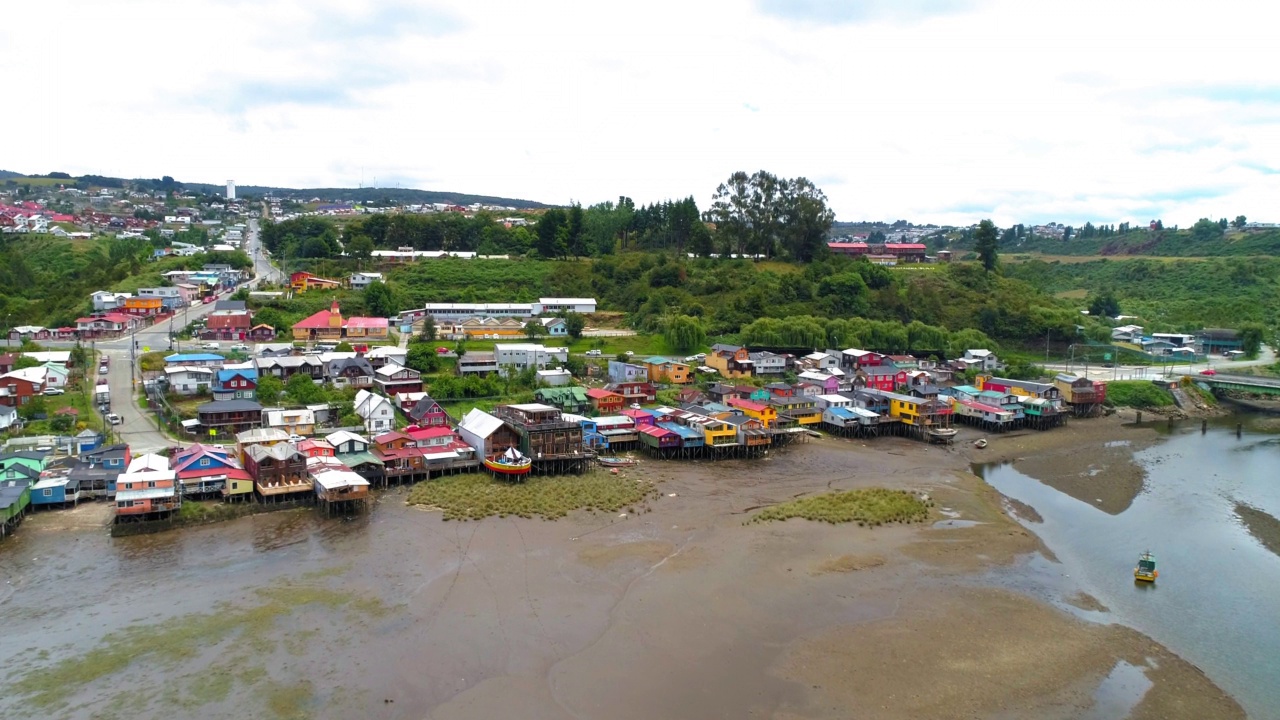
(682, 612)
(1090, 460)
(1261, 525)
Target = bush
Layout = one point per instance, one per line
(1137, 394)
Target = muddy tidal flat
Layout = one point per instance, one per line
(685, 611)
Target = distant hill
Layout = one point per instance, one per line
(399, 196)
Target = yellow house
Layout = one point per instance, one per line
(367, 328)
(490, 328)
(719, 433)
(237, 488)
(801, 408)
(766, 414)
(730, 361)
(324, 325)
(662, 370)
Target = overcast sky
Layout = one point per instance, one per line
(929, 110)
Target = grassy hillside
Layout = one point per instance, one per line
(45, 280)
(1162, 243)
(1173, 295)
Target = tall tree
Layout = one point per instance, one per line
(985, 242)
(574, 323)
(1240, 222)
(685, 333)
(428, 331)
(551, 233)
(378, 300)
(806, 220)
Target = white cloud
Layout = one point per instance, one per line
(933, 110)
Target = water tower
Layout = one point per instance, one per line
(231, 189)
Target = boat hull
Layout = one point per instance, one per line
(1144, 577)
(617, 462)
(504, 469)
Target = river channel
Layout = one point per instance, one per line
(1217, 599)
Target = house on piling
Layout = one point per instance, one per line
(352, 450)
(1084, 396)
(55, 488)
(401, 459)
(97, 470)
(554, 445)
(337, 487)
(488, 435)
(145, 492)
(211, 470)
(15, 503)
(279, 472)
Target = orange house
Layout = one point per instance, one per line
(143, 306)
(662, 370)
(304, 281)
(606, 402)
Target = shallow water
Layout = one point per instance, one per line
(1218, 597)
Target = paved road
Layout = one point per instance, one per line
(139, 427)
(1141, 372)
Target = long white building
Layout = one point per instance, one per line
(454, 312)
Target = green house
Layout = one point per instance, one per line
(35, 460)
(567, 399)
(15, 499)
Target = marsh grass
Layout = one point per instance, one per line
(875, 506)
(475, 496)
(181, 639)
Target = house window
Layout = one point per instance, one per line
(204, 462)
(48, 492)
(126, 503)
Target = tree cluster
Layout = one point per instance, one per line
(762, 214)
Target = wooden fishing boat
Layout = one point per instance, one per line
(509, 463)
(1146, 570)
(617, 462)
(980, 443)
(941, 434)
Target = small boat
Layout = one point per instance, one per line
(980, 443)
(617, 462)
(1146, 570)
(511, 463)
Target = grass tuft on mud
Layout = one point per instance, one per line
(476, 496)
(874, 506)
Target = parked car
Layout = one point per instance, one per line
(1209, 371)
(240, 348)
(114, 419)
(54, 391)
(593, 353)
(628, 353)
(209, 346)
(442, 351)
(296, 438)
(102, 369)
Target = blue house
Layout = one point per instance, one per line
(88, 440)
(555, 327)
(206, 360)
(55, 491)
(591, 437)
(237, 384)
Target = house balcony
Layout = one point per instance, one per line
(284, 487)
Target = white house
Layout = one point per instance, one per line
(377, 411)
(981, 359)
(8, 416)
(361, 280)
(768, 363)
(521, 356)
(104, 300)
(1127, 333)
(554, 378)
(548, 306)
(188, 379)
(56, 375)
(475, 429)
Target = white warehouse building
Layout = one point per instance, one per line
(545, 306)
